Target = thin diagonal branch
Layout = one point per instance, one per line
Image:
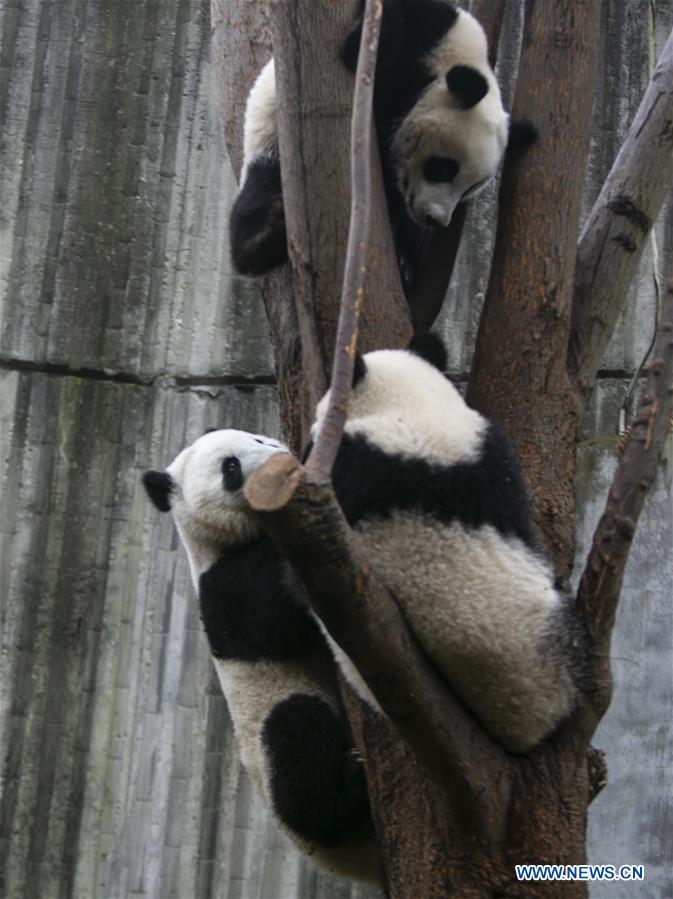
(612, 242)
(327, 441)
(601, 580)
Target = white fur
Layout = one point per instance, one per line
(408, 408)
(252, 690)
(349, 671)
(260, 130)
(484, 608)
(476, 138)
(206, 516)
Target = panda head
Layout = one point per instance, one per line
(203, 486)
(449, 145)
(403, 404)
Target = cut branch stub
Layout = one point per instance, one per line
(300, 512)
(601, 580)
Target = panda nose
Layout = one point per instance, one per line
(437, 217)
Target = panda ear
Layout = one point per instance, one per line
(467, 85)
(429, 347)
(359, 370)
(159, 486)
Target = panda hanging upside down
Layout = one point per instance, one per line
(276, 672)
(442, 132)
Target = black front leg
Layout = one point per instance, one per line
(257, 223)
(318, 785)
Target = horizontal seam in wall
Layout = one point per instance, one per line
(53, 369)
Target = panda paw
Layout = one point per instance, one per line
(354, 755)
(522, 134)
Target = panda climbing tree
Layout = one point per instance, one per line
(453, 810)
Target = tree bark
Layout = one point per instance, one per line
(521, 380)
(307, 38)
(619, 225)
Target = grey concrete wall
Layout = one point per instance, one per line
(123, 335)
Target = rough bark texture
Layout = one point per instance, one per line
(530, 291)
(118, 771)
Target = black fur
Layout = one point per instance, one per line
(440, 169)
(370, 483)
(257, 223)
(232, 474)
(248, 611)
(467, 85)
(159, 485)
(429, 347)
(318, 786)
(409, 30)
(359, 369)
(522, 134)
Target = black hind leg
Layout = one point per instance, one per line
(257, 223)
(318, 785)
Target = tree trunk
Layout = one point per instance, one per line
(430, 850)
(519, 375)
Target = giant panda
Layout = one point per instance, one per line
(435, 492)
(441, 127)
(274, 667)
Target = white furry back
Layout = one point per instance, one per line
(260, 133)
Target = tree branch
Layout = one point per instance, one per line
(601, 581)
(616, 231)
(299, 510)
(314, 152)
(327, 441)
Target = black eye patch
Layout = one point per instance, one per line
(232, 473)
(440, 169)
